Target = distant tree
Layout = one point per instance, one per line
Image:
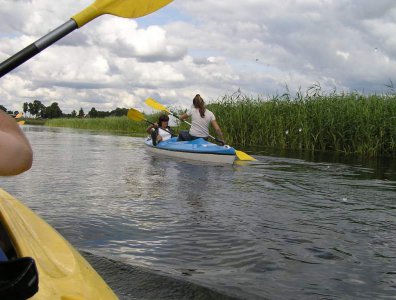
(118, 112)
(81, 113)
(73, 114)
(3, 108)
(103, 114)
(52, 111)
(25, 107)
(93, 113)
(36, 107)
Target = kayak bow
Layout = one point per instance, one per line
(63, 273)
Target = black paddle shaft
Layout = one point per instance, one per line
(35, 48)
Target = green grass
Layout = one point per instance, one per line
(348, 123)
(344, 123)
(109, 124)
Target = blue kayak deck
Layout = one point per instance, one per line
(199, 146)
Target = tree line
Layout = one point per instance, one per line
(39, 110)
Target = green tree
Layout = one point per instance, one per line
(118, 112)
(3, 108)
(25, 107)
(52, 111)
(81, 113)
(93, 113)
(73, 114)
(36, 107)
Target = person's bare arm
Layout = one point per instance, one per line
(217, 129)
(183, 117)
(16, 155)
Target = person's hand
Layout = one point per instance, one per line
(221, 142)
(155, 125)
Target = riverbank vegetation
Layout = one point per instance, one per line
(121, 125)
(340, 122)
(348, 123)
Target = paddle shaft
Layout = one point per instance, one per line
(38, 46)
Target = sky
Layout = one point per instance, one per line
(261, 48)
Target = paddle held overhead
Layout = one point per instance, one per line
(120, 8)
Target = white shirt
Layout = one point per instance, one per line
(165, 135)
(199, 125)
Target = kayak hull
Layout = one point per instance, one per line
(199, 150)
(63, 272)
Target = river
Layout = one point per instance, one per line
(284, 227)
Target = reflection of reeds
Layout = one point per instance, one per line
(349, 123)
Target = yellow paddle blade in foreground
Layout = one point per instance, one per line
(20, 115)
(120, 8)
(21, 122)
(135, 115)
(158, 106)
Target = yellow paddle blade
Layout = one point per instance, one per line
(19, 115)
(244, 156)
(135, 115)
(120, 8)
(21, 122)
(158, 106)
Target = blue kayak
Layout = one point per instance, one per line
(198, 149)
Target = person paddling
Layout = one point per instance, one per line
(160, 131)
(201, 119)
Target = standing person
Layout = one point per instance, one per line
(201, 118)
(16, 155)
(160, 131)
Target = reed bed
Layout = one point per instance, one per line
(348, 123)
(109, 124)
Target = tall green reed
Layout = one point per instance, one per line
(345, 122)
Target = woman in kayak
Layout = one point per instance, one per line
(16, 155)
(201, 118)
(160, 131)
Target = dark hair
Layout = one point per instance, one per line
(199, 103)
(163, 118)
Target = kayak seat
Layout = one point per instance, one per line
(18, 279)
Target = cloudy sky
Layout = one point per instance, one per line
(208, 47)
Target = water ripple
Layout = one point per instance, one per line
(279, 228)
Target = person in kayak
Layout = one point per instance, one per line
(16, 155)
(160, 131)
(201, 118)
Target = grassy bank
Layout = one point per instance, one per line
(348, 123)
(109, 124)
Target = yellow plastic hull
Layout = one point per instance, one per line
(63, 273)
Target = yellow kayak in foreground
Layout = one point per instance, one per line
(62, 272)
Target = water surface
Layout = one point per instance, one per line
(285, 227)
